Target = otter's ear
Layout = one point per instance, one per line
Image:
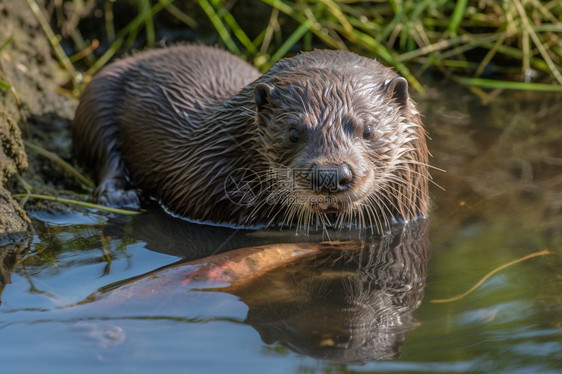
(398, 89)
(263, 93)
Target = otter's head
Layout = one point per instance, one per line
(344, 145)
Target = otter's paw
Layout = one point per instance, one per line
(111, 192)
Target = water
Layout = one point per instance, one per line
(97, 292)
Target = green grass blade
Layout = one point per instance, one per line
(65, 165)
(148, 22)
(181, 16)
(457, 17)
(55, 44)
(133, 25)
(388, 56)
(291, 41)
(537, 63)
(356, 36)
(219, 26)
(509, 85)
(6, 43)
(235, 27)
(280, 5)
(317, 28)
(5, 86)
(77, 203)
(109, 27)
(528, 27)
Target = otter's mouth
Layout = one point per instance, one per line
(335, 207)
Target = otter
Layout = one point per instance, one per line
(325, 138)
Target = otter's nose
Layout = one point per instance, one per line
(330, 177)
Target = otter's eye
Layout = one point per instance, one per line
(294, 135)
(367, 132)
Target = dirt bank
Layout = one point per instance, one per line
(30, 108)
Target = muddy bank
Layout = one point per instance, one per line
(30, 108)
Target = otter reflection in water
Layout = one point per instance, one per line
(341, 301)
(344, 306)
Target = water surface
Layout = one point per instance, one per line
(102, 292)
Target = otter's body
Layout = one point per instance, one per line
(326, 137)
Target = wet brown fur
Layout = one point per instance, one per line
(178, 123)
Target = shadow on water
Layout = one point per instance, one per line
(174, 236)
(341, 301)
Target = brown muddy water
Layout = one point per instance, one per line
(100, 292)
